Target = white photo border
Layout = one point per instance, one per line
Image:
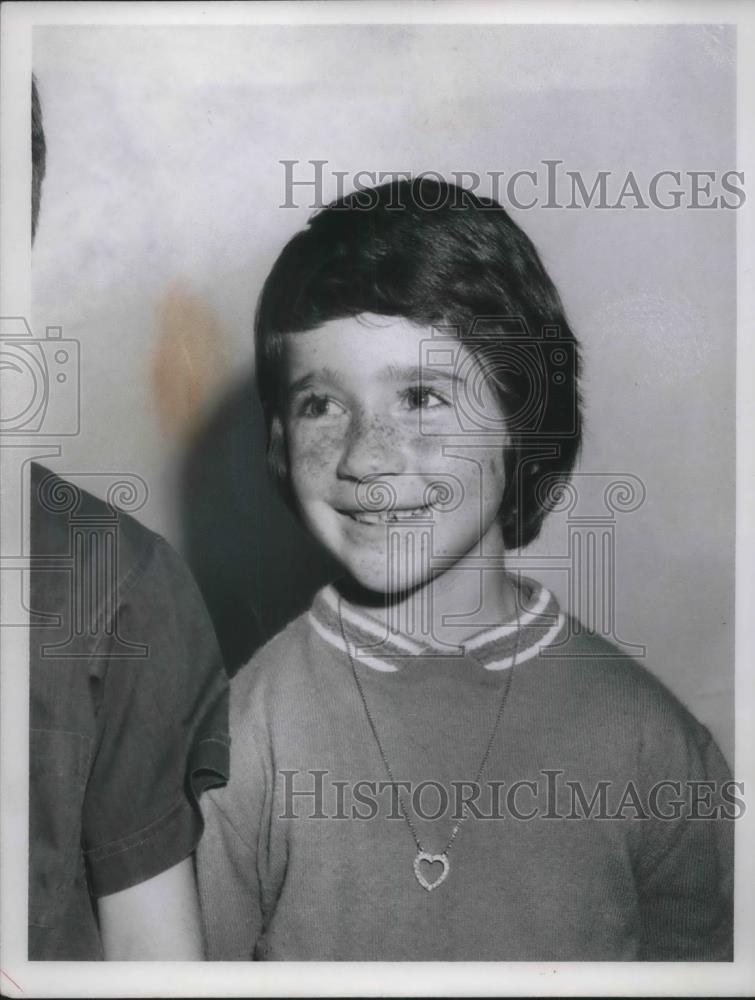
(21, 978)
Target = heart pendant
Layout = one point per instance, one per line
(431, 859)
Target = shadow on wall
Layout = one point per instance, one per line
(256, 566)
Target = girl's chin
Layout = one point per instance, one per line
(377, 580)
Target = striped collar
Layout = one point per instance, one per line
(541, 622)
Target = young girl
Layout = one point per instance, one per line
(435, 762)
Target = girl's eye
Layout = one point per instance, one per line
(314, 406)
(419, 397)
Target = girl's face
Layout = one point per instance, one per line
(381, 470)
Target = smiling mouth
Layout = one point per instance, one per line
(396, 516)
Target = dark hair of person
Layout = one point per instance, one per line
(437, 255)
(38, 156)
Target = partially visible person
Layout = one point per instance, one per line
(128, 724)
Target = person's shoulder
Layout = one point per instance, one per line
(592, 663)
(275, 669)
(57, 505)
(608, 683)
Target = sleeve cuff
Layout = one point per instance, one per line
(147, 852)
(130, 860)
(209, 763)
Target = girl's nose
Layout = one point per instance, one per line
(372, 447)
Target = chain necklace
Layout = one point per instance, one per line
(422, 854)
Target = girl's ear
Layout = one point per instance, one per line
(508, 514)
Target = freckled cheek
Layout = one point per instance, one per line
(479, 477)
(424, 452)
(313, 456)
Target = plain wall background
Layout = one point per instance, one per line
(160, 213)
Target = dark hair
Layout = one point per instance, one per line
(462, 263)
(38, 155)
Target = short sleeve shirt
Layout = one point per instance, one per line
(128, 712)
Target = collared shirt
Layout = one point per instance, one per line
(128, 712)
(540, 623)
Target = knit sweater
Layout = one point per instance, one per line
(304, 857)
